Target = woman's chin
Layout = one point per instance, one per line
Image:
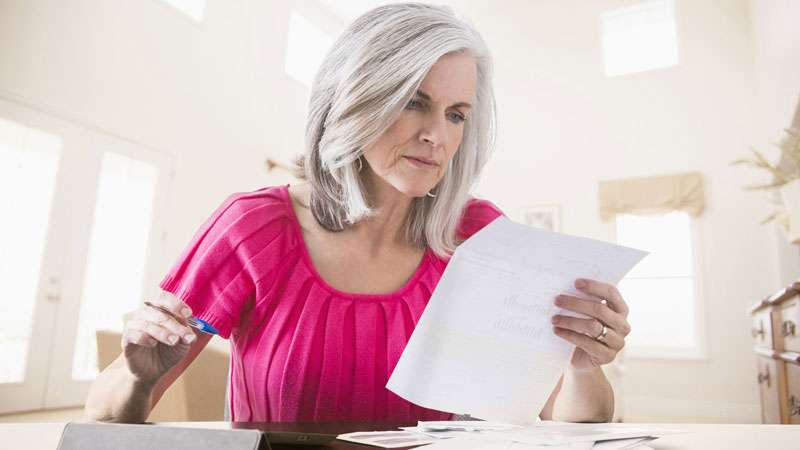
(412, 186)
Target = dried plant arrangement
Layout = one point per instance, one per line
(790, 147)
(785, 171)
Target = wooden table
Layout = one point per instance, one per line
(42, 436)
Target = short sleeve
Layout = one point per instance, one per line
(477, 215)
(214, 274)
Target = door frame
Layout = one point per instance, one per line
(48, 379)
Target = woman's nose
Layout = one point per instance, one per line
(434, 132)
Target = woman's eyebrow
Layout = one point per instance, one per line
(454, 105)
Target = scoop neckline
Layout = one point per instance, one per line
(307, 258)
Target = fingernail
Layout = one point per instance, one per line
(186, 312)
(172, 339)
(560, 300)
(188, 338)
(556, 319)
(580, 284)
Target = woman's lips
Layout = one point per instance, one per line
(421, 162)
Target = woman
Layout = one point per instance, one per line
(319, 286)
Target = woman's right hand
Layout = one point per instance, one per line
(153, 342)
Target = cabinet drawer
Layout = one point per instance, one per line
(762, 328)
(787, 321)
(793, 393)
(770, 376)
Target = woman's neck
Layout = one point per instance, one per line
(386, 227)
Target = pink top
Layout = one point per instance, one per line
(301, 351)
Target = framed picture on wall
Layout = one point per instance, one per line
(547, 217)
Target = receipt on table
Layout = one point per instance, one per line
(484, 344)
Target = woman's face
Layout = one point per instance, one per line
(413, 154)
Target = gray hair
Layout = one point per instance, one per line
(365, 81)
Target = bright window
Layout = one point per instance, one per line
(662, 290)
(117, 253)
(306, 46)
(640, 37)
(193, 8)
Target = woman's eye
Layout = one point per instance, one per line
(414, 104)
(455, 117)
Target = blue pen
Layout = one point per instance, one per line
(200, 324)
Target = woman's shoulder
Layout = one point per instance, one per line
(267, 199)
(242, 213)
(477, 214)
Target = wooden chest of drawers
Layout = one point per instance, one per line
(776, 329)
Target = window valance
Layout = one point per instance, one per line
(652, 195)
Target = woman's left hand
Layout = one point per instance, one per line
(599, 338)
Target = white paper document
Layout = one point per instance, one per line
(458, 428)
(493, 443)
(613, 433)
(623, 444)
(465, 425)
(387, 439)
(484, 344)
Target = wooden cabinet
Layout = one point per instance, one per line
(776, 331)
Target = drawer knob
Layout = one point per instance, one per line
(794, 406)
(762, 377)
(787, 328)
(755, 332)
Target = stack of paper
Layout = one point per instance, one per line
(427, 433)
(448, 429)
(492, 435)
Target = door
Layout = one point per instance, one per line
(81, 221)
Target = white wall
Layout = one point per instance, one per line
(215, 95)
